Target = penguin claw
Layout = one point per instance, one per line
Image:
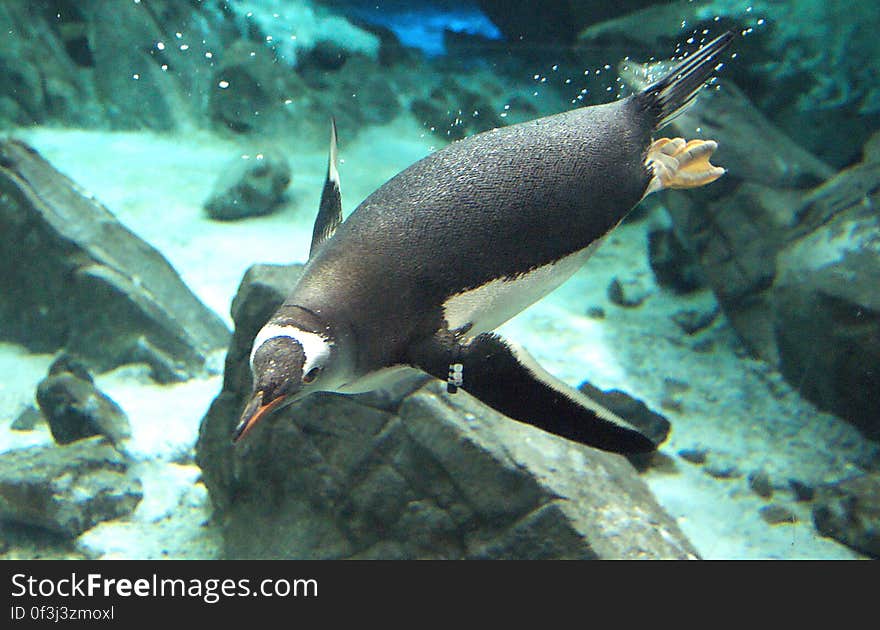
(675, 163)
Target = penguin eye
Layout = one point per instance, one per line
(311, 375)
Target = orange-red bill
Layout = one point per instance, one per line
(253, 413)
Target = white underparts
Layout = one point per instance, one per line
(488, 306)
(380, 379)
(315, 346)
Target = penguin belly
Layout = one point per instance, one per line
(482, 309)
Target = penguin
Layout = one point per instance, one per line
(427, 266)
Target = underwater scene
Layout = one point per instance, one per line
(436, 279)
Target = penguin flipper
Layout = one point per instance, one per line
(509, 380)
(330, 211)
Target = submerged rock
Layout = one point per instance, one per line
(628, 292)
(816, 78)
(693, 321)
(249, 87)
(673, 266)
(66, 489)
(775, 514)
(826, 299)
(849, 511)
(250, 186)
(76, 409)
(27, 420)
(795, 267)
(759, 482)
(413, 473)
(553, 21)
(104, 62)
(634, 411)
(73, 277)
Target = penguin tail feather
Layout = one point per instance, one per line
(667, 97)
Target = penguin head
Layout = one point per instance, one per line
(287, 365)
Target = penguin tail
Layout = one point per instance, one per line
(669, 96)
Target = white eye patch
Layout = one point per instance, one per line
(315, 347)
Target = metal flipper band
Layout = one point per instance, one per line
(455, 379)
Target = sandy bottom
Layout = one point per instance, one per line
(736, 409)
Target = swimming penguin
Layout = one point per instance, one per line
(432, 262)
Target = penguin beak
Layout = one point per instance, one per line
(253, 413)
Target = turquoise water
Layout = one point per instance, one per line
(154, 151)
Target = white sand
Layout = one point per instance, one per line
(735, 408)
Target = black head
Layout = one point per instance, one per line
(278, 376)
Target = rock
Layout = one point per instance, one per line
(416, 474)
(802, 492)
(66, 489)
(40, 80)
(73, 277)
(826, 298)
(261, 292)
(776, 514)
(250, 186)
(325, 55)
(455, 111)
(849, 512)
(99, 62)
(759, 482)
(634, 411)
(27, 420)
(66, 363)
(554, 21)
(795, 270)
(628, 292)
(693, 455)
(722, 465)
(693, 321)
(673, 267)
(728, 116)
(871, 152)
(76, 409)
(128, 77)
(248, 89)
(779, 55)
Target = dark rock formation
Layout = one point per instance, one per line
(250, 187)
(103, 62)
(73, 277)
(453, 110)
(849, 511)
(673, 266)
(629, 292)
(553, 21)
(816, 78)
(249, 87)
(357, 93)
(27, 420)
(76, 409)
(634, 411)
(775, 514)
(827, 298)
(43, 74)
(411, 473)
(795, 268)
(66, 489)
(693, 321)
